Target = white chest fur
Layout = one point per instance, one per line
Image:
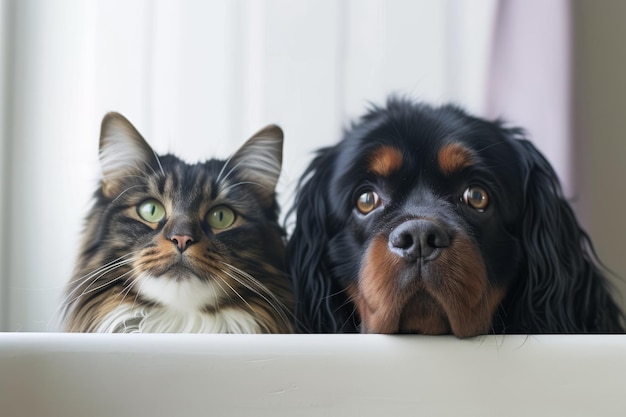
(179, 310)
(189, 294)
(142, 319)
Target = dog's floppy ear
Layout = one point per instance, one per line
(306, 251)
(562, 289)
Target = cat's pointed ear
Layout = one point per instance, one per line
(260, 158)
(123, 152)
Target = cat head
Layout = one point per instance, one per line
(199, 238)
(124, 152)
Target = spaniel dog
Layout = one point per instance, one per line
(428, 220)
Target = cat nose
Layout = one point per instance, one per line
(182, 241)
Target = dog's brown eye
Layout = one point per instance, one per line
(476, 197)
(367, 202)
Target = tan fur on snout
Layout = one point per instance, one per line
(453, 295)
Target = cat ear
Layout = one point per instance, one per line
(123, 152)
(260, 158)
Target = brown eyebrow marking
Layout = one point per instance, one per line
(455, 157)
(385, 160)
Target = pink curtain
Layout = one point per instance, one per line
(531, 77)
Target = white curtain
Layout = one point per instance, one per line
(531, 77)
(198, 77)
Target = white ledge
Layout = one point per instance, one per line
(95, 375)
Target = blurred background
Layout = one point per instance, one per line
(197, 78)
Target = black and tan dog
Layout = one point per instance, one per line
(428, 220)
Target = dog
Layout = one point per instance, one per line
(428, 220)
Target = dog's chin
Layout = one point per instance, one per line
(424, 315)
(421, 314)
(449, 295)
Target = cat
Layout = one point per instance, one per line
(171, 247)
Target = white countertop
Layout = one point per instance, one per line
(93, 375)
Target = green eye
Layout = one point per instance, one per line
(220, 217)
(151, 211)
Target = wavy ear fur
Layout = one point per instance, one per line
(260, 159)
(563, 288)
(318, 299)
(123, 152)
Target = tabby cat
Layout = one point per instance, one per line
(180, 248)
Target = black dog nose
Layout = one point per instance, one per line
(415, 239)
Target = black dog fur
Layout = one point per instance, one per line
(428, 220)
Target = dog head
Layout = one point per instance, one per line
(427, 220)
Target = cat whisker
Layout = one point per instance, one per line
(230, 187)
(125, 291)
(123, 192)
(219, 176)
(104, 285)
(89, 289)
(234, 290)
(138, 165)
(141, 284)
(249, 277)
(158, 162)
(215, 296)
(229, 172)
(261, 290)
(128, 278)
(144, 175)
(108, 264)
(96, 274)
